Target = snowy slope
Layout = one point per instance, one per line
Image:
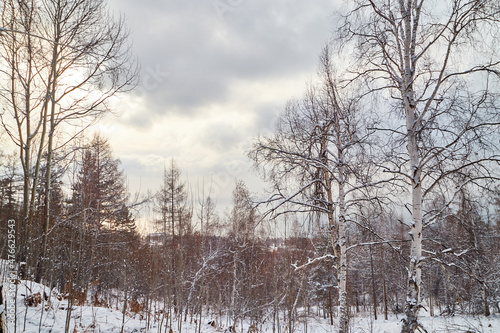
(49, 315)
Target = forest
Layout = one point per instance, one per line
(384, 180)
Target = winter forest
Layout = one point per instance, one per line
(381, 212)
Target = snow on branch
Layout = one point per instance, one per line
(389, 242)
(312, 261)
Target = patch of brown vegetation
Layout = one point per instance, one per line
(33, 300)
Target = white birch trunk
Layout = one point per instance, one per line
(234, 286)
(342, 249)
(412, 303)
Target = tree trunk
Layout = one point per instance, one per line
(233, 288)
(1, 313)
(384, 288)
(50, 148)
(342, 249)
(484, 294)
(330, 303)
(341, 242)
(412, 304)
(374, 291)
(124, 311)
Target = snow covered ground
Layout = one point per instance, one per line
(48, 314)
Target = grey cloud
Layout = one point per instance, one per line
(266, 118)
(205, 54)
(222, 136)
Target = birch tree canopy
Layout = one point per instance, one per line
(437, 65)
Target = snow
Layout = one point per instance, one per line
(52, 313)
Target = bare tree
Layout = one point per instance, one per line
(101, 58)
(64, 60)
(242, 222)
(465, 246)
(172, 203)
(438, 64)
(317, 162)
(24, 103)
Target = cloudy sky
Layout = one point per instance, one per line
(214, 74)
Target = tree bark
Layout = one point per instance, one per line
(374, 289)
(341, 245)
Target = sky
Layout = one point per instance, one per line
(215, 74)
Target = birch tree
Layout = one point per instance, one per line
(436, 63)
(315, 161)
